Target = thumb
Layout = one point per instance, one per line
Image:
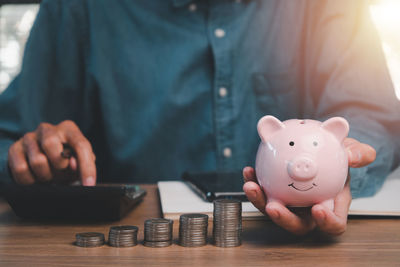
(360, 154)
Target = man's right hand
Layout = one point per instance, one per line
(36, 157)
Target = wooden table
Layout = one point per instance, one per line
(367, 242)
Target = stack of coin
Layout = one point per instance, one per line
(123, 236)
(89, 239)
(158, 233)
(193, 230)
(227, 226)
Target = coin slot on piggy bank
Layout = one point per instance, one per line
(300, 163)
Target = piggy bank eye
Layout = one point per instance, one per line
(315, 143)
(291, 143)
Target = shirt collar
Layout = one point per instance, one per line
(180, 3)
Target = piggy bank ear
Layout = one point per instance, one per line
(268, 126)
(338, 126)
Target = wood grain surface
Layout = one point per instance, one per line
(367, 242)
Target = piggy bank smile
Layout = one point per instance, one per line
(302, 189)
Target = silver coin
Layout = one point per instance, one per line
(158, 230)
(193, 229)
(159, 244)
(227, 222)
(159, 221)
(123, 236)
(90, 235)
(89, 239)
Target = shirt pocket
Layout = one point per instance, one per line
(276, 94)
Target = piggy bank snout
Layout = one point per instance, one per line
(302, 168)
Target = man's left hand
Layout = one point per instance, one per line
(332, 222)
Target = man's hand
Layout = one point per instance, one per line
(332, 222)
(36, 157)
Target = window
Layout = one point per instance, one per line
(385, 15)
(15, 23)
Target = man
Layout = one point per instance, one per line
(154, 88)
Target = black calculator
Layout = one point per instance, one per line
(103, 202)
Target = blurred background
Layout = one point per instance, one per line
(17, 17)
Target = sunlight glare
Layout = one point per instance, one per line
(385, 15)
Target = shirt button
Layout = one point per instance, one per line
(219, 33)
(223, 92)
(227, 152)
(192, 7)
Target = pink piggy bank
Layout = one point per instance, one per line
(302, 162)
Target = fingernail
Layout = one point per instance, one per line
(358, 156)
(355, 156)
(350, 154)
(89, 181)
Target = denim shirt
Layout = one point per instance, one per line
(165, 86)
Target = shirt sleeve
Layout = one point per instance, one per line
(50, 86)
(346, 75)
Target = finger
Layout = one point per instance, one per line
(51, 142)
(328, 221)
(255, 195)
(84, 153)
(349, 141)
(343, 200)
(249, 174)
(37, 160)
(18, 164)
(334, 222)
(73, 165)
(360, 154)
(68, 153)
(288, 220)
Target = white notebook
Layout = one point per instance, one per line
(177, 198)
(386, 201)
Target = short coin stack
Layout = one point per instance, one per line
(123, 236)
(89, 239)
(193, 230)
(158, 233)
(227, 226)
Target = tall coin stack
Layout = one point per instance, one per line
(89, 239)
(193, 230)
(123, 236)
(158, 233)
(227, 226)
